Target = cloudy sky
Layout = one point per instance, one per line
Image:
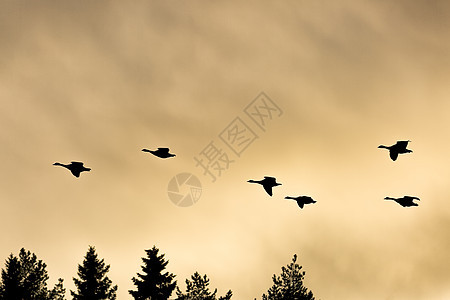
(98, 81)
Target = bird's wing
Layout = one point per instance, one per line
(77, 163)
(268, 189)
(164, 149)
(402, 144)
(411, 198)
(76, 173)
(309, 199)
(271, 180)
(393, 154)
(300, 203)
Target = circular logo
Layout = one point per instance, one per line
(184, 189)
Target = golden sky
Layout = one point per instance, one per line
(98, 81)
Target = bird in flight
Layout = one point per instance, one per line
(398, 148)
(268, 183)
(405, 201)
(302, 200)
(160, 152)
(75, 167)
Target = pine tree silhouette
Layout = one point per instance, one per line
(58, 292)
(198, 289)
(93, 284)
(11, 284)
(289, 285)
(25, 277)
(153, 283)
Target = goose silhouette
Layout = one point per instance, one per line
(302, 200)
(398, 148)
(268, 183)
(405, 201)
(160, 152)
(75, 167)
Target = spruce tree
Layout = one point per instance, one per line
(153, 283)
(25, 277)
(58, 292)
(198, 289)
(93, 284)
(289, 285)
(11, 284)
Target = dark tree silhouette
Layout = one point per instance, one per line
(289, 285)
(93, 284)
(25, 277)
(58, 292)
(153, 283)
(198, 289)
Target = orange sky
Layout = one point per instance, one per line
(97, 82)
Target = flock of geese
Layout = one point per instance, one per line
(268, 182)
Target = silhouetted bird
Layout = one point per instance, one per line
(268, 183)
(302, 200)
(75, 167)
(160, 152)
(404, 201)
(398, 148)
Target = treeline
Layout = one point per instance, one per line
(24, 277)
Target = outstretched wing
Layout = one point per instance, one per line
(268, 189)
(166, 150)
(411, 198)
(393, 154)
(401, 145)
(300, 203)
(270, 180)
(76, 173)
